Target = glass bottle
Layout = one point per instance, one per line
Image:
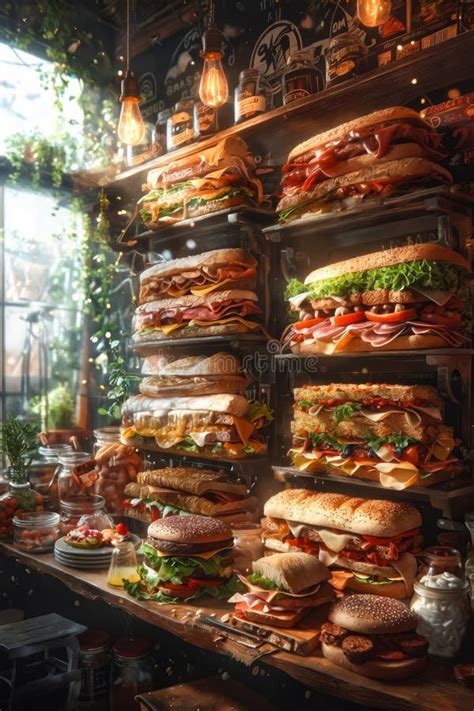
(248, 545)
(19, 497)
(253, 95)
(440, 559)
(180, 125)
(346, 56)
(132, 672)
(95, 670)
(69, 482)
(301, 78)
(43, 473)
(159, 132)
(205, 120)
(123, 565)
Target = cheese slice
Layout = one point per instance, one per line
(339, 579)
(438, 296)
(206, 555)
(413, 417)
(202, 290)
(269, 595)
(335, 541)
(244, 428)
(298, 299)
(327, 557)
(169, 328)
(398, 475)
(231, 319)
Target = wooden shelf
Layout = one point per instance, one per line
(435, 688)
(236, 342)
(389, 85)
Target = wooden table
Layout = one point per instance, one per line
(434, 690)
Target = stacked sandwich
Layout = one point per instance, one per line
(402, 298)
(369, 544)
(184, 490)
(208, 294)
(186, 557)
(382, 154)
(207, 181)
(282, 589)
(392, 434)
(196, 406)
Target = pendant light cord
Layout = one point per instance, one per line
(211, 13)
(128, 36)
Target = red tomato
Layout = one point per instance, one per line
(411, 454)
(450, 322)
(179, 588)
(155, 514)
(308, 323)
(395, 317)
(122, 529)
(347, 319)
(394, 655)
(202, 582)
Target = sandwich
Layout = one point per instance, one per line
(186, 557)
(184, 490)
(213, 179)
(392, 434)
(374, 637)
(223, 426)
(199, 275)
(189, 316)
(369, 544)
(192, 375)
(384, 153)
(282, 589)
(403, 298)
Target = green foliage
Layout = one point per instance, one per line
(18, 442)
(345, 411)
(262, 581)
(32, 155)
(399, 441)
(57, 411)
(120, 383)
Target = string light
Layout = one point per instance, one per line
(131, 128)
(213, 87)
(373, 13)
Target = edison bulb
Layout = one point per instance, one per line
(213, 88)
(373, 13)
(131, 128)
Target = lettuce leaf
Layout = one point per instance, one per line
(258, 410)
(262, 581)
(345, 411)
(174, 568)
(295, 287)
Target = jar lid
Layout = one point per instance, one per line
(93, 640)
(82, 504)
(300, 55)
(163, 115)
(111, 434)
(35, 519)
(72, 457)
(184, 104)
(427, 591)
(250, 73)
(132, 648)
(442, 552)
(53, 450)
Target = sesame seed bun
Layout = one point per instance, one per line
(190, 529)
(371, 614)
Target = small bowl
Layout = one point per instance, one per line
(36, 532)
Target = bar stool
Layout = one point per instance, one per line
(33, 669)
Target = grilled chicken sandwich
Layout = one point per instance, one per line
(392, 434)
(374, 637)
(184, 490)
(186, 557)
(402, 298)
(369, 544)
(211, 180)
(282, 589)
(380, 154)
(223, 426)
(192, 375)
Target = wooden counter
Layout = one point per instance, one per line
(436, 688)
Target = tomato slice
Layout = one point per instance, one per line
(347, 319)
(410, 454)
(308, 323)
(202, 582)
(179, 588)
(395, 317)
(450, 322)
(394, 655)
(383, 541)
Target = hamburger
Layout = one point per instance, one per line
(403, 298)
(222, 426)
(392, 434)
(192, 375)
(282, 589)
(186, 557)
(199, 275)
(374, 637)
(183, 490)
(208, 181)
(383, 153)
(369, 544)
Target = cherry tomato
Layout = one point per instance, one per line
(395, 317)
(307, 324)
(121, 528)
(347, 319)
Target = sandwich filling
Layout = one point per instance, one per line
(359, 648)
(200, 281)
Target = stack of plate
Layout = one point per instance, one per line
(85, 558)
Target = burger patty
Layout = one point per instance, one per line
(179, 549)
(359, 648)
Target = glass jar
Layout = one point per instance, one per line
(36, 531)
(71, 510)
(44, 471)
(301, 78)
(18, 497)
(252, 97)
(443, 609)
(440, 559)
(123, 565)
(72, 477)
(145, 150)
(248, 545)
(132, 672)
(159, 132)
(180, 125)
(346, 56)
(95, 670)
(205, 120)
(116, 465)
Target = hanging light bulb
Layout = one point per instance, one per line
(373, 13)
(131, 128)
(213, 87)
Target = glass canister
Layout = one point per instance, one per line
(442, 606)
(440, 559)
(95, 670)
(116, 465)
(145, 150)
(19, 497)
(36, 531)
(346, 57)
(300, 78)
(252, 97)
(248, 545)
(205, 120)
(180, 125)
(76, 474)
(71, 510)
(43, 473)
(159, 132)
(132, 672)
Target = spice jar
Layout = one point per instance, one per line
(43, 473)
(95, 670)
(36, 531)
(159, 132)
(116, 465)
(132, 672)
(252, 97)
(205, 120)
(248, 545)
(443, 609)
(17, 498)
(71, 510)
(301, 78)
(73, 467)
(346, 57)
(180, 125)
(440, 559)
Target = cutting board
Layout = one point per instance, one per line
(299, 640)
